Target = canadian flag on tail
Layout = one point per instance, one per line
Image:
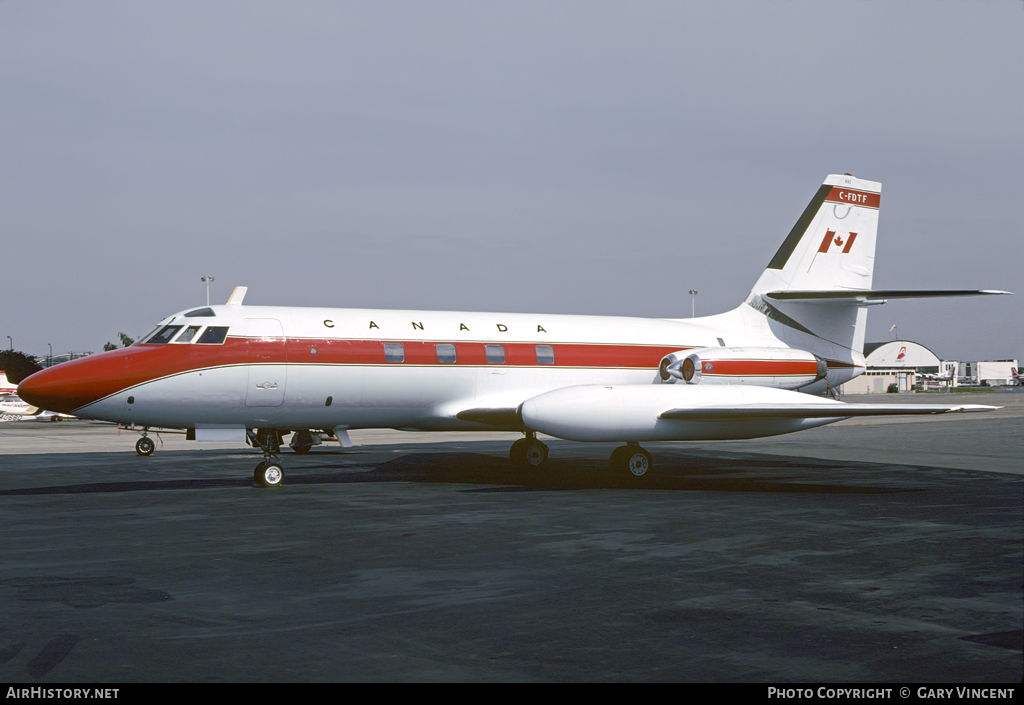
(832, 239)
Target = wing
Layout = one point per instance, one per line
(505, 416)
(877, 295)
(814, 411)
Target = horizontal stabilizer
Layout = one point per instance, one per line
(874, 295)
(814, 411)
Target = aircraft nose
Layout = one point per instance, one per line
(71, 385)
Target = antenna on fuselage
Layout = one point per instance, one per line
(237, 295)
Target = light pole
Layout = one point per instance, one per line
(207, 281)
(49, 358)
(693, 306)
(11, 340)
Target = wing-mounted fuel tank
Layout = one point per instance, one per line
(783, 368)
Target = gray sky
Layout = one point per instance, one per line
(567, 157)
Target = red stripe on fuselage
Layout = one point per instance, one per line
(74, 384)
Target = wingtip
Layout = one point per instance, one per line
(974, 407)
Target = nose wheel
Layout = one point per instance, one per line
(145, 446)
(268, 474)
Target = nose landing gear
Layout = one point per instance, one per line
(145, 445)
(269, 473)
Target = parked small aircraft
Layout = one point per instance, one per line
(235, 372)
(948, 376)
(14, 409)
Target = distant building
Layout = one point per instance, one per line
(993, 373)
(900, 362)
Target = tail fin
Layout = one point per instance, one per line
(832, 245)
(830, 249)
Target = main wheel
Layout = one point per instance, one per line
(528, 454)
(536, 454)
(631, 460)
(145, 446)
(269, 474)
(517, 451)
(639, 462)
(302, 441)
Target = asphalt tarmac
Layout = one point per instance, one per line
(866, 551)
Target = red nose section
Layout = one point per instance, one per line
(72, 385)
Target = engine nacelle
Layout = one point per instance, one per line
(783, 368)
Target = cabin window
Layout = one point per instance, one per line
(214, 335)
(164, 335)
(495, 354)
(445, 353)
(188, 334)
(545, 355)
(394, 352)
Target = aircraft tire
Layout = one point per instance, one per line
(616, 463)
(631, 461)
(638, 462)
(269, 474)
(527, 454)
(302, 441)
(535, 455)
(517, 451)
(145, 446)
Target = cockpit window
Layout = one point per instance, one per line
(200, 312)
(187, 335)
(145, 338)
(214, 335)
(165, 334)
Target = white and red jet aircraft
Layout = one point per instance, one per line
(235, 372)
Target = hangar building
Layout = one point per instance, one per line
(900, 362)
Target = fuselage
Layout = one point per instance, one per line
(294, 368)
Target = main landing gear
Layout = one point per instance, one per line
(528, 453)
(631, 461)
(269, 473)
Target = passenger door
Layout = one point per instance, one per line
(268, 371)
